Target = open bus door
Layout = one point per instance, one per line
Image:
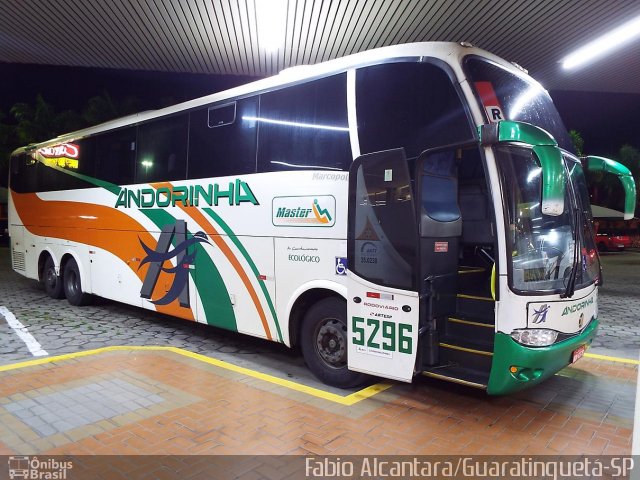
(383, 302)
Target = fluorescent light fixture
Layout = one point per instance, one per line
(271, 19)
(603, 44)
(293, 165)
(146, 163)
(295, 124)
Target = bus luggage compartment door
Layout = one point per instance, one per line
(383, 302)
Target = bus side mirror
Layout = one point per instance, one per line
(601, 164)
(553, 179)
(546, 149)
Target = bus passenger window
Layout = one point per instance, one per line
(23, 174)
(413, 105)
(115, 154)
(305, 127)
(222, 139)
(162, 150)
(74, 157)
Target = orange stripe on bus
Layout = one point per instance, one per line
(224, 248)
(103, 227)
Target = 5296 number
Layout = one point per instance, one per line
(385, 335)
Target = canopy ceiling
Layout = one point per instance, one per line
(224, 36)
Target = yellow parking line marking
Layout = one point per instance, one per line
(348, 400)
(612, 359)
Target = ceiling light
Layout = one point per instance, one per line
(271, 17)
(603, 44)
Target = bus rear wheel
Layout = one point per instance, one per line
(50, 279)
(323, 341)
(73, 286)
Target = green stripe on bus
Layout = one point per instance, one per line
(216, 301)
(250, 261)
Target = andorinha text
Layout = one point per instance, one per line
(234, 193)
(577, 306)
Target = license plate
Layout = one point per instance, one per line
(578, 353)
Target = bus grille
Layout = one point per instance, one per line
(18, 260)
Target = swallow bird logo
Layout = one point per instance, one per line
(159, 261)
(540, 316)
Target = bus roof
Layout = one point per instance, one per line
(441, 50)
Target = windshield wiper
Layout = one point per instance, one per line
(577, 260)
(589, 225)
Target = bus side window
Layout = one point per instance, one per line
(222, 139)
(410, 104)
(75, 157)
(115, 154)
(23, 174)
(305, 127)
(162, 150)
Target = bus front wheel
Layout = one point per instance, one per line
(323, 341)
(52, 282)
(73, 286)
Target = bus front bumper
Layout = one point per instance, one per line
(533, 365)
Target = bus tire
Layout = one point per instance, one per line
(73, 285)
(51, 280)
(323, 341)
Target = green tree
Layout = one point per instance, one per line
(629, 156)
(31, 123)
(41, 122)
(102, 108)
(578, 142)
(8, 143)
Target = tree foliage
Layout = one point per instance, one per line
(629, 156)
(578, 142)
(31, 123)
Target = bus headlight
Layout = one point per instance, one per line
(535, 337)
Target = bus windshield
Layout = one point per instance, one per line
(590, 270)
(542, 247)
(507, 96)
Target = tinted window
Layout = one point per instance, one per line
(440, 187)
(115, 154)
(162, 150)
(224, 148)
(23, 173)
(62, 166)
(305, 127)
(410, 105)
(382, 223)
(518, 98)
(57, 167)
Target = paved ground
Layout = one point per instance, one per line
(146, 402)
(619, 306)
(165, 401)
(61, 328)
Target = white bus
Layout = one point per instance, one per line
(414, 209)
